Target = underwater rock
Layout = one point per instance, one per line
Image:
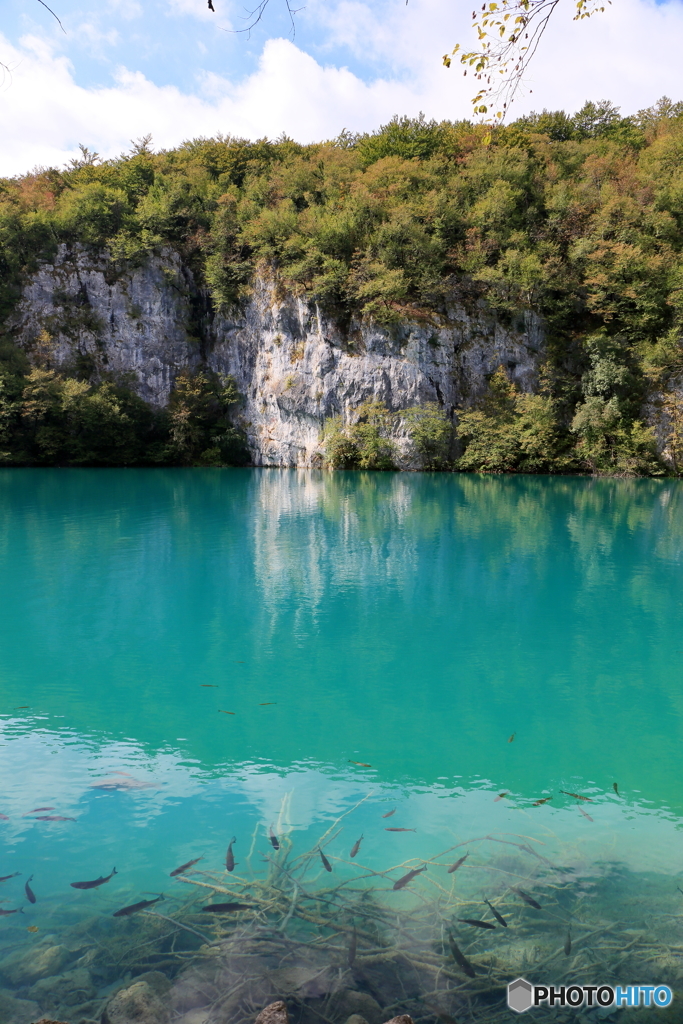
(356, 1018)
(403, 1018)
(276, 1013)
(26, 967)
(17, 1011)
(45, 1020)
(70, 989)
(140, 1003)
(349, 1003)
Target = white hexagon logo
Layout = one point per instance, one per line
(520, 995)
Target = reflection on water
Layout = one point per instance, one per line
(188, 656)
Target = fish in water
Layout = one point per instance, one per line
(23, 707)
(52, 817)
(499, 917)
(615, 788)
(36, 810)
(274, 842)
(584, 814)
(408, 878)
(459, 958)
(135, 907)
(389, 813)
(362, 764)
(222, 712)
(475, 923)
(94, 884)
(125, 783)
(512, 737)
(499, 797)
(229, 856)
(184, 867)
(356, 846)
(326, 863)
(225, 908)
(6, 913)
(400, 830)
(267, 703)
(210, 686)
(577, 796)
(13, 875)
(32, 928)
(568, 943)
(538, 803)
(454, 867)
(527, 899)
(353, 945)
(3, 817)
(30, 895)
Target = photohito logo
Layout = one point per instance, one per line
(522, 995)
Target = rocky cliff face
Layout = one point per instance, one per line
(293, 366)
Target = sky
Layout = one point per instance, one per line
(124, 68)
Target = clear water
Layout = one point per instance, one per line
(413, 623)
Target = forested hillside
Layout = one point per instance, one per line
(577, 218)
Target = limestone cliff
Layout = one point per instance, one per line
(293, 366)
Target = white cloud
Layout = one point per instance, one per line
(45, 113)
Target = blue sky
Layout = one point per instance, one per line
(172, 68)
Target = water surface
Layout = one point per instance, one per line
(414, 623)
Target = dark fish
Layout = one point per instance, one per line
(14, 875)
(135, 907)
(538, 803)
(356, 846)
(353, 945)
(23, 707)
(361, 763)
(527, 899)
(267, 703)
(6, 913)
(184, 867)
(36, 810)
(499, 797)
(576, 796)
(225, 908)
(568, 944)
(475, 923)
(584, 814)
(499, 917)
(226, 712)
(326, 863)
(678, 886)
(274, 840)
(400, 830)
(210, 686)
(408, 878)
(389, 813)
(30, 895)
(3, 817)
(512, 737)
(460, 959)
(615, 788)
(52, 817)
(229, 856)
(93, 885)
(454, 867)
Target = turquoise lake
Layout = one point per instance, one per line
(192, 655)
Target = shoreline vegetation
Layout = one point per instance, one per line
(577, 220)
